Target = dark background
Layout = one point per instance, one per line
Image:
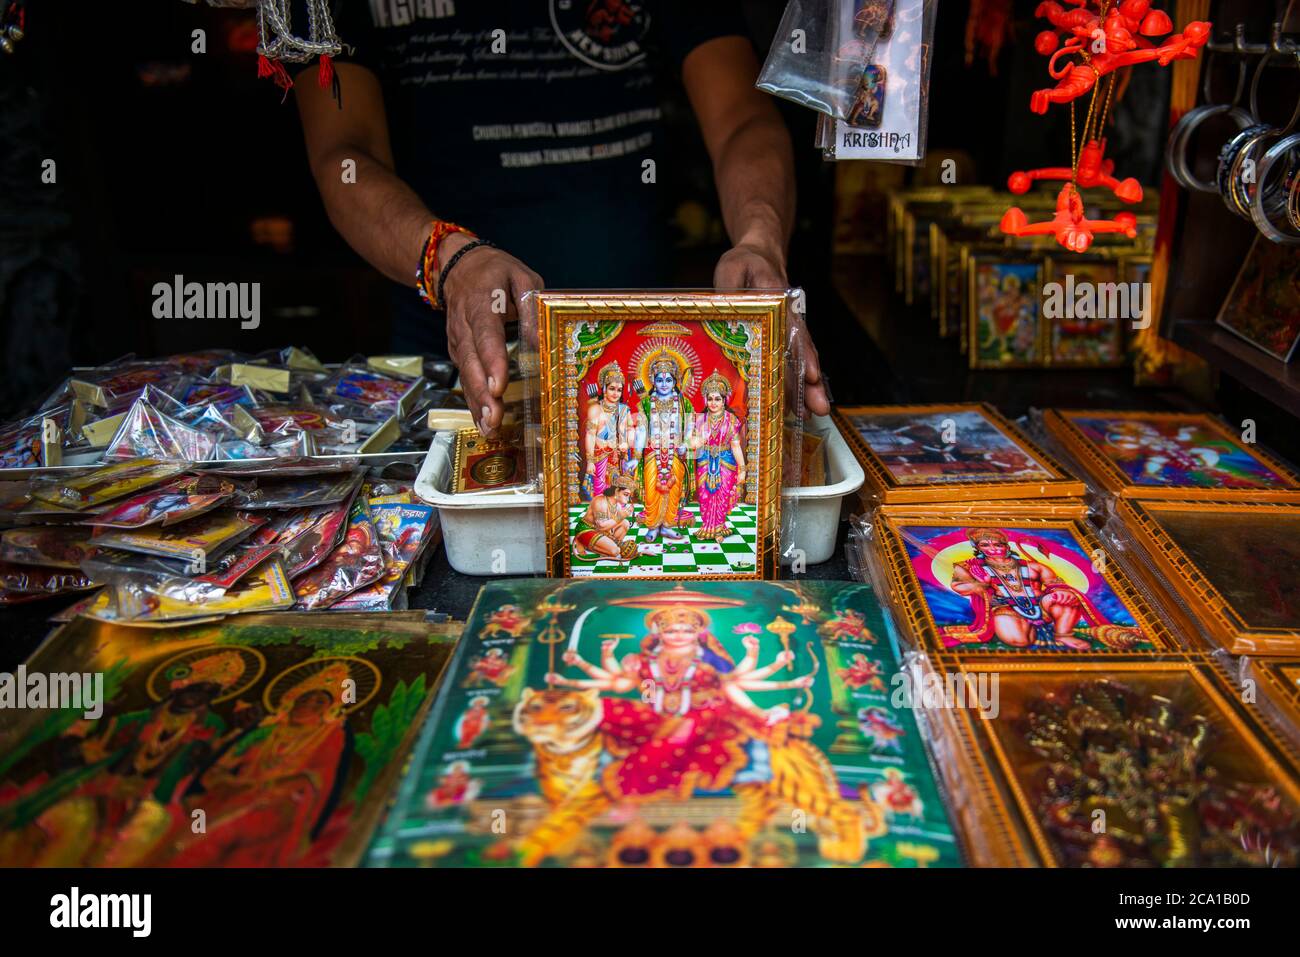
(174, 162)
(171, 162)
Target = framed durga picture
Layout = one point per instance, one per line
(662, 433)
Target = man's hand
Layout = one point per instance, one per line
(475, 332)
(753, 166)
(753, 265)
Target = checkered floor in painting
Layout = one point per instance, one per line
(734, 555)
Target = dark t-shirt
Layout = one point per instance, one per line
(529, 122)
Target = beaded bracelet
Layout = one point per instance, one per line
(428, 268)
(442, 278)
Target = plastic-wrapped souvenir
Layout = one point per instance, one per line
(402, 535)
(182, 498)
(105, 484)
(300, 491)
(307, 536)
(383, 394)
(38, 581)
(356, 562)
(198, 540)
(116, 386)
(265, 589)
(58, 546)
(145, 431)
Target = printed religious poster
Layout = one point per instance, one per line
(260, 741)
(633, 723)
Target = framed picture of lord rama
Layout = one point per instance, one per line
(661, 422)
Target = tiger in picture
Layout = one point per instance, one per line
(570, 734)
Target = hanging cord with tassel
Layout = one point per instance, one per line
(278, 45)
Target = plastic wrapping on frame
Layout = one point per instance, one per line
(1122, 547)
(1272, 697)
(865, 565)
(1100, 501)
(865, 66)
(733, 409)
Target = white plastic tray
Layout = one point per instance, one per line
(503, 533)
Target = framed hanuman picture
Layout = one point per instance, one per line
(1004, 319)
(984, 585)
(662, 433)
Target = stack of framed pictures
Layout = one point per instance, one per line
(1018, 302)
(1213, 516)
(1104, 712)
(949, 453)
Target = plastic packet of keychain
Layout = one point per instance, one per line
(865, 65)
(656, 423)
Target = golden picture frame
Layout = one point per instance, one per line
(1169, 455)
(642, 477)
(1276, 689)
(1228, 561)
(1000, 462)
(1050, 590)
(1061, 350)
(1004, 310)
(1018, 766)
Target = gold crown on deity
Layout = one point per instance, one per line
(667, 617)
(976, 535)
(718, 383)
(222, 669)
(665, 361)
(610, 372)
(623, 480)
(329, 679)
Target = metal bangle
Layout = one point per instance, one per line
(1243, 183)
(1176, 150)
(1267, 203)
(1293, 203)
(1228, 169)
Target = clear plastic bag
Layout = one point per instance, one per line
(865, 65)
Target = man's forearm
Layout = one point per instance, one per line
(754, 172)
(379, 215)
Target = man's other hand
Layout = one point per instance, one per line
(755, 266)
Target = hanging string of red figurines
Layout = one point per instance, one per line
(1090, 49)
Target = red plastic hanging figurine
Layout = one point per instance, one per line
(1104, 37)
